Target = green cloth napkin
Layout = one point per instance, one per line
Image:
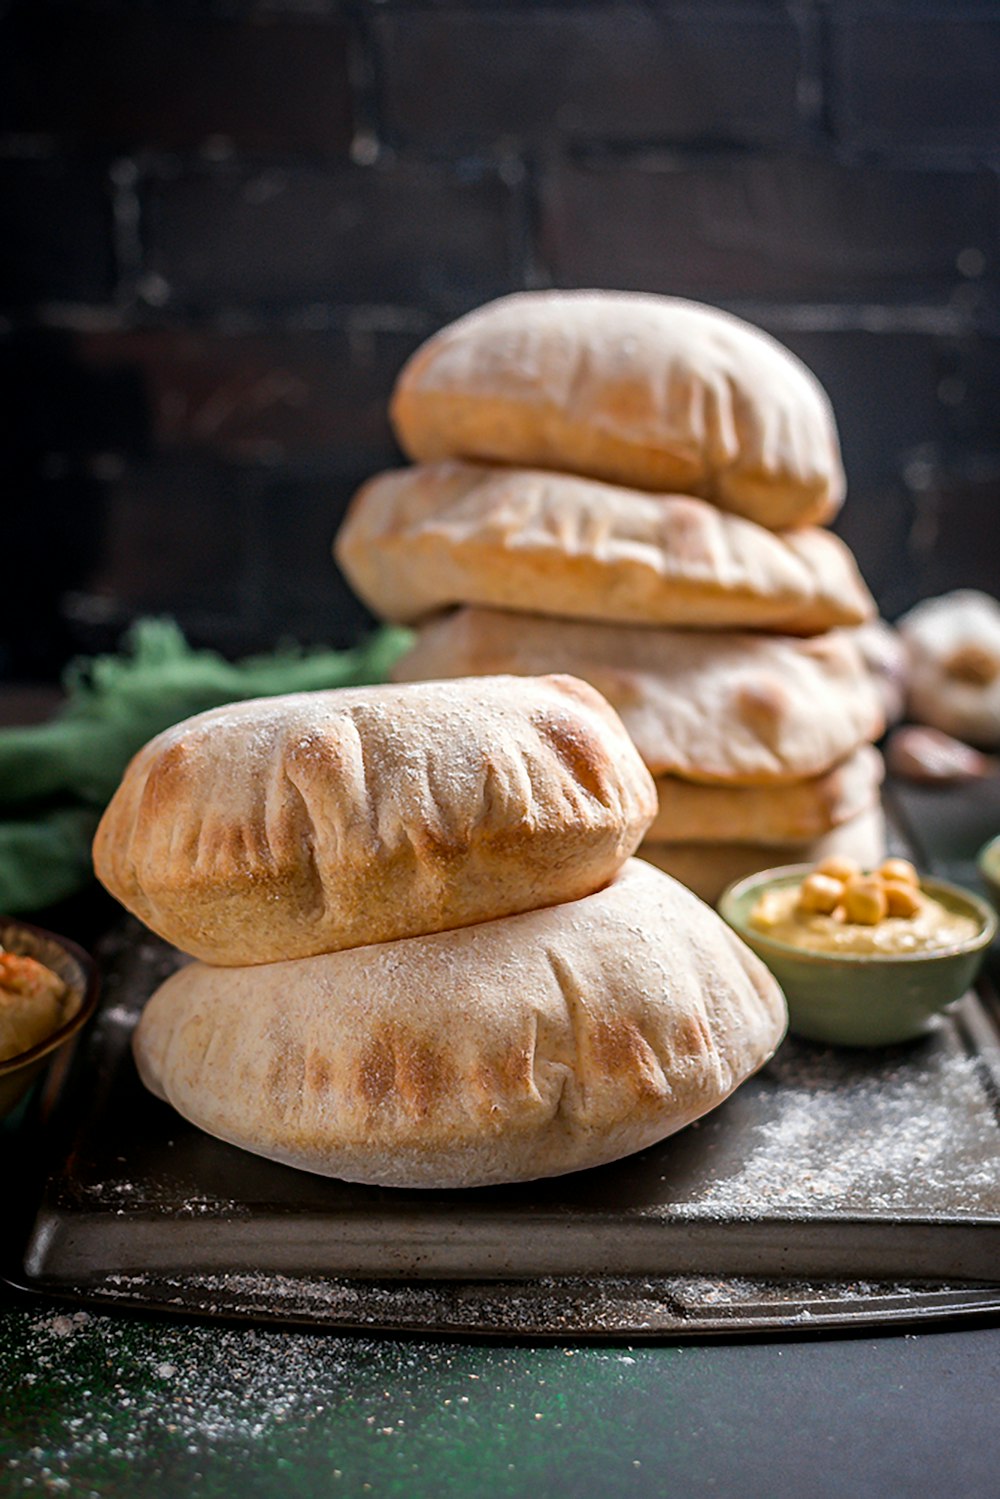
(55, 778)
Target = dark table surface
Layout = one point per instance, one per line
(102, 1404)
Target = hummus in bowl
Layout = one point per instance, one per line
(870, 982)
(931, 927)
(50, 992)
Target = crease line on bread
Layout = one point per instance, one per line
(315, 904)
(575, 1005)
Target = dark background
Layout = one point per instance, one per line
(225, 226)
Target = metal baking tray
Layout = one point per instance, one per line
(834, 1188)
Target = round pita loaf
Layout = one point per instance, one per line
(422, 539)
(519, 1048)
(954, 650)
(707, 868)
(885, 656)
(712, 706)
(648, 391)
(295, 825)
(793, 812)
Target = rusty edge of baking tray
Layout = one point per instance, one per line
(835, 1190)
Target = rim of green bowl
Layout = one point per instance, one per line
(784, 873)
(988, 859)
(88, 1000)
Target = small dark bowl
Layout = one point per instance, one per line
(77, 970)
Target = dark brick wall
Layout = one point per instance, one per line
(476, 78)
(225, 226)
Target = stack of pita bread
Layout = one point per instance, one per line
(632, 489)
(426, 957)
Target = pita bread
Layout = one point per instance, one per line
(954, 650)
(294, 825)
(794, 812)
(652, 392)
(422, 539)
(519, 1048)
(707, 868)
(885, 656)
(713, 706)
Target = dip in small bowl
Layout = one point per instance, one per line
(76, 974)
(870, 983)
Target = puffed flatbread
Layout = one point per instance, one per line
(712, 705)
(886, 657)
(953, 643)
(707, 868)
(792, 812)
(519, 1048)
(422, 539)
(295, 825)
(652, 392)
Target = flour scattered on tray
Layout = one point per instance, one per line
(899, 1139)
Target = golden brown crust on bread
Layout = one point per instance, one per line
(523, 1047)
(789, 813)
(648, 391)
(707, 868)
(713, 706)
(421, 539)
(296, 825)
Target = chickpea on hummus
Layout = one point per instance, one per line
(838, 908)
(32, 1003)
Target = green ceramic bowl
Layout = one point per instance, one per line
(77, 971)
(989, 868)
(863, 999)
